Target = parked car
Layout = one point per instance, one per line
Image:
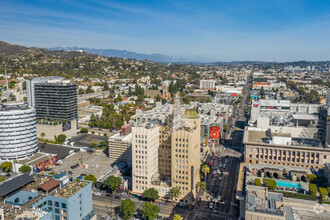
(211, 205)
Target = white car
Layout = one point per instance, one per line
(97, 193)
(214, 171)
(219, 198)
(211, 205)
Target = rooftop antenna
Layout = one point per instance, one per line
(7, 85)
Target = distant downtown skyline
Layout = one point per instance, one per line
(201, 30)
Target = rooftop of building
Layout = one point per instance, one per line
(288, 136)
(35, 159)
(13, 105)
(262, 201)
(119, 137)
(190, 114)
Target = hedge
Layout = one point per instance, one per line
(271, 184)
(311, 178)
(299, 196)
(312, 189)
(324, 192)
(257, 181)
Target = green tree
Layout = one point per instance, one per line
(262, 92)
(174, 192)
(200, 186)
(6, 166)
(127, 208)
(112, 183)
(151, 194)
(257, 181)
(176, 217)
(205, 170)
(225, 129)
(61, 138)
(150, 211)
(84, 130)
(270, 183)
(93, 145)
(311, 178)
(91, 177)
(324, 192)
(25, 169)
(312, 189)
(42, 136)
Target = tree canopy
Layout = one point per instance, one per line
(150, 211)
(151, 194)
(91, 177)
(174, 192)
(6, 166)
(25, 169)
(127, 208)
(112, 183)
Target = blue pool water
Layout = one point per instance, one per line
(288, 184)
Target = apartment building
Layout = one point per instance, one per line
(207, 84)
(185, 153)
(145, 146)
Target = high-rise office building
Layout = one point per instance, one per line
(18, 136)
(55, 103)
(53, 98)
(185, 153)
(145, 144)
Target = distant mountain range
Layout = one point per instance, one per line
(11, 50)
(132, 55)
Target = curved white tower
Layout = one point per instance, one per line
(18, 134)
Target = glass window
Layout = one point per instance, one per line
(57, 217)
(63, 206)
(57, 204)
(50, 202)
(57, 211)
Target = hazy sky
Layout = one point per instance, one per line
(222, 30)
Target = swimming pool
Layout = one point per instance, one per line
(288, 184)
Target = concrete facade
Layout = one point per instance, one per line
(145, 144)
(51, 130)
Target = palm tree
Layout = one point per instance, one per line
(200, 186)
(42, 136)
(174, 192)
(205, 170)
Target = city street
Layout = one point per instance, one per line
(106, 206)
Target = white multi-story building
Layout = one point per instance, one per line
(18, 135)
(145, 144)
(207, 84)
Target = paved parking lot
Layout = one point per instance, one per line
(96, 163)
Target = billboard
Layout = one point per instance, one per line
(46, 164)
(215, 132)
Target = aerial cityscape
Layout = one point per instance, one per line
(188, 110)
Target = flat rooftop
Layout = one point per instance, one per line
(35, 159)
(266, 136)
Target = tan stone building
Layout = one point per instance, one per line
(164, 151)
(145, 145)
(266, 146)
(185, 153)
